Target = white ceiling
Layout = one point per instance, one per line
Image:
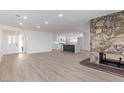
(71, 18)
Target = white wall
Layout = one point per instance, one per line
(36, 41)
(87, 37)
(6, 47)
(0, 44)
(39, 42)
(42, 41)
(85, 28)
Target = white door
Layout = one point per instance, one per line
(21, 43)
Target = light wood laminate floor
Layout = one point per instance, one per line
(51, 67)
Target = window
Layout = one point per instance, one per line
(13, 39)
(9, 40)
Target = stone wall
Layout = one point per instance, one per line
(107, 33)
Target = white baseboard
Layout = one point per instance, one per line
(10, 53)
(34, 52)
(0, 58)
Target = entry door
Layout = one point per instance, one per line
(21, 44)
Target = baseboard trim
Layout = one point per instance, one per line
(34, 52)
(0, 58)
(10, 53)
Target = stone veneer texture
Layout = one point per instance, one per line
(107, 33)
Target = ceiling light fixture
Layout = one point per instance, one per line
(18, 15)
(46, 22)
(25, 17)
(37, 26)
(20, 24)
(60, 15)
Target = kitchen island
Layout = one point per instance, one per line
(71, 48)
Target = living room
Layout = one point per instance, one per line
(61, 46)
(57, 40)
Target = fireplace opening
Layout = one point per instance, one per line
(115, 60)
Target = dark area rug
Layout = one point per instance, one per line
(102, 67)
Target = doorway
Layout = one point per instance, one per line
(21, 43)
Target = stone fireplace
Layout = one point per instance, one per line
(107, 34)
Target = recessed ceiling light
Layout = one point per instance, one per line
(37, 26)
(25, 17)
(20, 24)
(60, 15)
(46, 22)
